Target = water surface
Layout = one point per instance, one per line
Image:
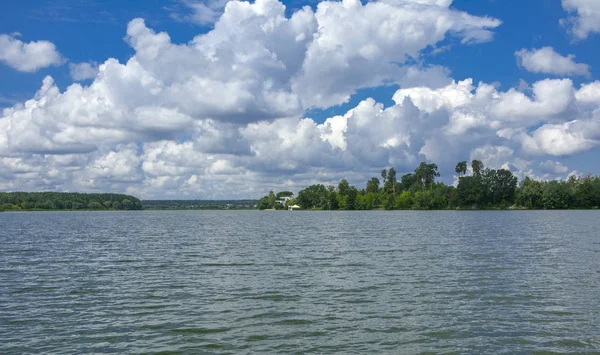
(199, 282)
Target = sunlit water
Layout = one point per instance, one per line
(300, 282)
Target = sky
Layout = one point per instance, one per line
(189, 99)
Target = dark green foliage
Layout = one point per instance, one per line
(461, 168)
(314, 197)
(66, 200)
(426, 174)
(477, 167)
(390, 183)
(485, 189)
(373, 185)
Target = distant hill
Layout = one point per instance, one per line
(28, 201)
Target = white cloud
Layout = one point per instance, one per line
(563, 139)
(28, 57)
(553, 167)
(199, 12)
(83, 71)
(589, 93)
(545, 60)
(223, 115)
(585, 20)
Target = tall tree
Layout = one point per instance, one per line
(407, 181)
(477, 167)
(426, 174)
(461, 168)
(372, 185)
(390, 182)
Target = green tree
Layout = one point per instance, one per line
(390, 183)
(477, 167)
(469, 191)
(263, 203)
(423, 200)
(94, 205)
(461, 168)
(530, 193)
(272, 199)
(127, 204)
(504, 187)
(426, 174)
(407, 181)
(555, 195)
(373, 185)
(313, 197)
(404, 201)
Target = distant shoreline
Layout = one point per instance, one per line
(309, 210)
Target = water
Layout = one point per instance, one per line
(300, 282)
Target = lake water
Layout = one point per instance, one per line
(300, 282)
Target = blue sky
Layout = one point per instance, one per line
(94, 30)
(249, 139)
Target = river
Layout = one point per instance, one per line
(250, 282)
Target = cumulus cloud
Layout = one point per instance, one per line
(28, 57)
(546, 61)
(553, 167)
(224, 115)
(584, 20)
(185, 157)
(83, 71)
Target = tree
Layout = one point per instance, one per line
(272, 199)
(343, 187)
(404, 201)
(263, 203)
(346, 195)
(331, 198)
(314, 196)
(383, 176)
(477, 167)
(530, 193)
(372, 185)
(127, 204)
(426, 174)
(469, 191)
(587, 192)
(95, 205)
(461, 168)
(504, 187)
(407, 181)
(390, 183)
(555, 195)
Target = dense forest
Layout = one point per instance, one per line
(67, 201)
(482, 189)
(199, 204)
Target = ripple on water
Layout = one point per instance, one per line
(300, 283)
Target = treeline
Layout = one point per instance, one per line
(199, 204)
(482, 189)
(275, 201)
(67, 201)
